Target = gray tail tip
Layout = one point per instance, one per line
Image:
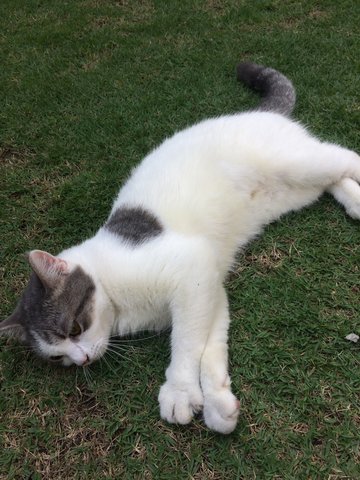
(245, 71)
(277, 91)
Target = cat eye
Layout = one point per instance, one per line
(75, 329)
(56, 358)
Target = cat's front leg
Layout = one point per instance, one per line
(199, 348)
(192, 312)
(221, 407)
(180, 400)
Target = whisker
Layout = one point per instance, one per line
(115, 349)
(129, 340)
(87, 376)
(118, 345)
(115, 354)
(90, 375)
(107, 363)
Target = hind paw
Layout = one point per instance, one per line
(347, 192)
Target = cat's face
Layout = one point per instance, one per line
(63, 315)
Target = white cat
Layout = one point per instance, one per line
(172, 235)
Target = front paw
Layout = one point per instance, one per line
(221, 410)
(178, 404)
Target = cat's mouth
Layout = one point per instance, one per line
(80, 355)
(67, 361)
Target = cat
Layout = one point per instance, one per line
(162, 256)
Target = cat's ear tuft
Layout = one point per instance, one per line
(11, 327)
(49, 269)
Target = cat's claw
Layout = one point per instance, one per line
(221, 411)
(178, 405)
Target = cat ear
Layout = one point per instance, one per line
(11, 327)
(49, 269)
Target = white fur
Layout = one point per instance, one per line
(212, 186)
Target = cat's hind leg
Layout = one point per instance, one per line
(347, 192)
(319, 164)
(338, 170)
(317, 167)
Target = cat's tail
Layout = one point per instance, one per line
(278, 93)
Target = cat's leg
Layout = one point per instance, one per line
(221, 407)
(315, 167)
(320, 164)
(332, 168)
(347, 192)
(192, 313)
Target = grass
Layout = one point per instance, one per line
(87, 88)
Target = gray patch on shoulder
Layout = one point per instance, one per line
(134, 225)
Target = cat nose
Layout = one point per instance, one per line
(86, 361)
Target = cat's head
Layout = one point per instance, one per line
(64, 315)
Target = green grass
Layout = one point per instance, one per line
(87, 88)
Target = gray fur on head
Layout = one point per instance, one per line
(278, 93)
(53, 299)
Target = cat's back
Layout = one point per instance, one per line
(203, 151)
(230, 137)
(203, 175)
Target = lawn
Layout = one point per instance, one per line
(87, 88)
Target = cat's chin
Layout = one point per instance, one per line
(67, 362)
